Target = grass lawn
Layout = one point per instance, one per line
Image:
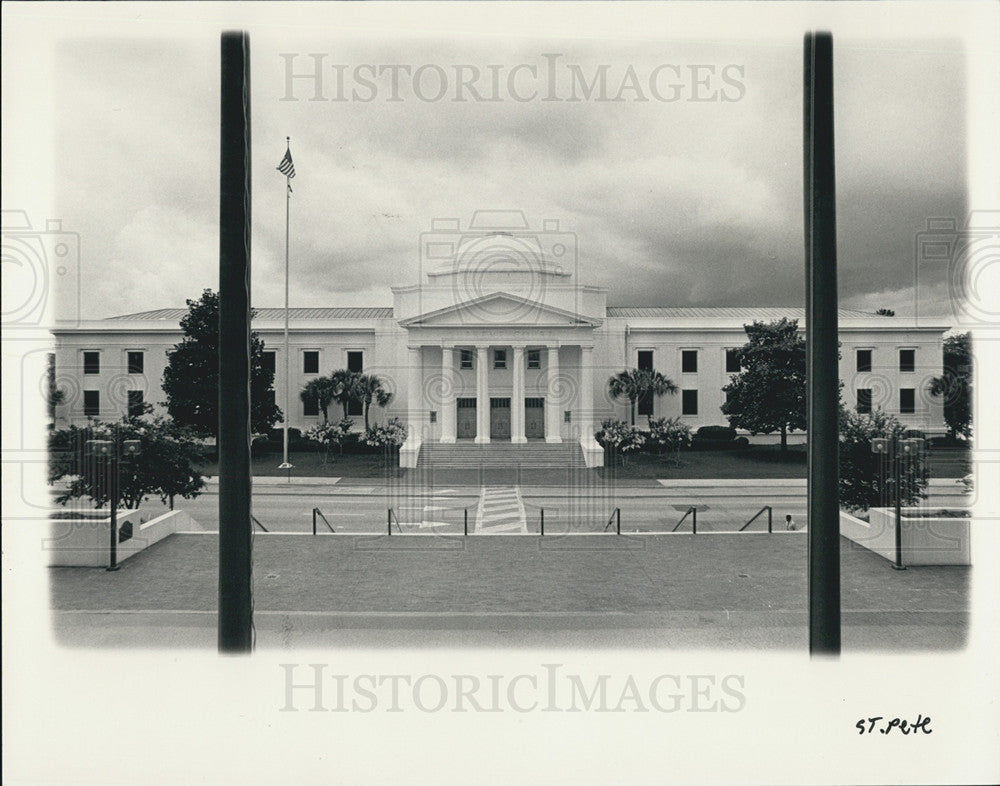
(761, 461)
(757, 461)
(310, 464)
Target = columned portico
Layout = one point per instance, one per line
(517, 399)
(449, 413)
(552, 387)
(414, 395)
(482, 394)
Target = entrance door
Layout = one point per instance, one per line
(534, 418)
(499, 418)
(466, 418)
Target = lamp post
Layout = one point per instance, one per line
(103, 454)
(897, 450)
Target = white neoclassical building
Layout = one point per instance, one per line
(499, 342)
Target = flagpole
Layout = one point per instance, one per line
(288, 359)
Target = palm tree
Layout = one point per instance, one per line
(344, 383)
(368, 388)
(320, 390)
(637, 383)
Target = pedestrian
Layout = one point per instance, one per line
(790, 523)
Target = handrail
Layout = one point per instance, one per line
(616, 516)
(389, 516)
(254, 519)
(693, 513)
(754, 518)
(318, 512)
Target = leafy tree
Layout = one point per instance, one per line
(956, 384)
(369, 389)
(770, 393)
(191, 378)
(635, 384)
(165, 466)
(54, 396)
(885, 312)
(867, 479)
(321, 392)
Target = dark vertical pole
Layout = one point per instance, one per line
(694, 521)
(466, 521)
(235, 528)
(111, 468)
(618, 521)
(543, 520)
(314, 520)
(822, 350)
(896, 461)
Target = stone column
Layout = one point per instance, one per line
(482, 394)
(553, 416)
(414, 397)
(449, 413)
(517, 398)
(586, 398)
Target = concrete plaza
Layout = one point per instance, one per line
(713, 590)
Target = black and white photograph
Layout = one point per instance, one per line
(488, 392)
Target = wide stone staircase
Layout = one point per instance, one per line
(501, 455)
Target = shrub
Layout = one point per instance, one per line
(669, 435)
(716, 433)
(618, 437)
(389, 436)
(330, 435)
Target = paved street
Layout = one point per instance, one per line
(359, 507)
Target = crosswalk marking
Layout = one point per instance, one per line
(501, 509)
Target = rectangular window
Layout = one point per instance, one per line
(434, 416)
(534, 358)
(499, 358)
(136, 362)
(267, 360)
(907, 359)
(864, 357)
(568, 416)
(92, 403)
(355, 408)
(356, 361)
(689, 402)
(135, 402)
(864, 402)
(732, 361)
(645, 360)
(645, 404)
(310, 361)
(465, 358)
(689, 361)
(310, 408)
(907, 401)
(91, 362)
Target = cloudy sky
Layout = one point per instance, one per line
(686, 191)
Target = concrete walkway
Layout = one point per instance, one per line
(680, 591)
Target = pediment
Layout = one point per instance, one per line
(500, 309)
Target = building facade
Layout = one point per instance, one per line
(500, 342)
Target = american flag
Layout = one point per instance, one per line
(286, 167)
